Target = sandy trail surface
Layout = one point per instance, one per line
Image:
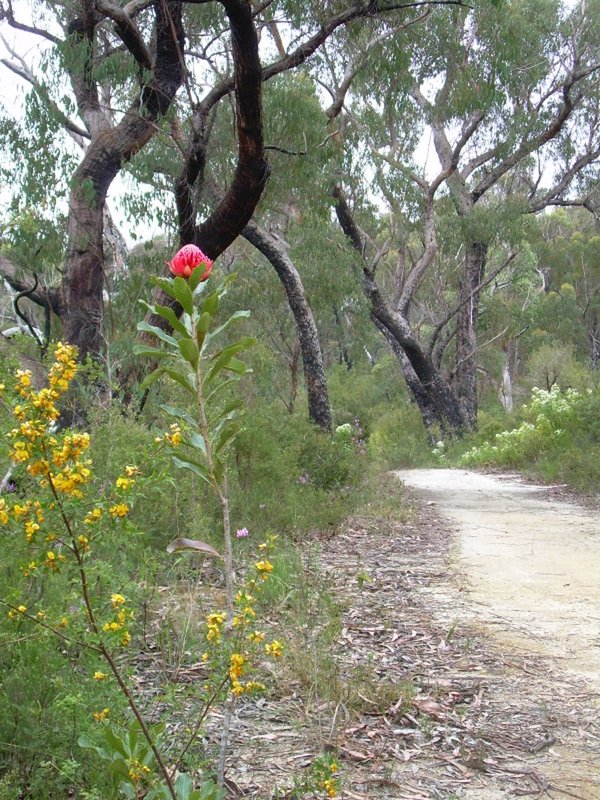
(528, 563)
(531, 563)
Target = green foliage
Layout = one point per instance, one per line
(398, 438)
(558, 437)
(131, 760)
(291, 477)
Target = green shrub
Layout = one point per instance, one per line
(558, 437)
(398, 439)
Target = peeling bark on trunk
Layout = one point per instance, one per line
(109, 148)
(466, 334)
(312, 357)
(84, 272)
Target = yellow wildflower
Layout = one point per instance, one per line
(119, 510)
(99, 676)
(92, 516)
(174, 438)
(50, 561)
(264, 567)
(256, 636)
(131, 470)
(236, 666)
(117, 600)
(99, 716)
(21, 511)
(124, 483)
(137, 770)
(274, 649)
(31, 528)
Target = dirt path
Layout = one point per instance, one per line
(452, 662)
(529, 566)
(531, 563)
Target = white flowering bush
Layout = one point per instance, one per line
(548, 418)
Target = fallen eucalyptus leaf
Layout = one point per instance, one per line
(192, 544)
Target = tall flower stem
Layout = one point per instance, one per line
(221, 490)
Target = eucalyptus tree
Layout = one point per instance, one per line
(115, 71)
(506, 96)
(121, 76)
(567, 244)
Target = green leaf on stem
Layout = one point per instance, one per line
(235, 365)
(225, 325)
(193, 466)
(182, 293)
(158, 332)
(167, 313)
(151, 378)
(210, 305)
(189, 351)
(227, 435)
(166, 284)
(194, 280)
(151, 352)
(182, 380)
(225, 358)
(196, 441)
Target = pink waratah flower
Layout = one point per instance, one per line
(242, 532)
(189, 258)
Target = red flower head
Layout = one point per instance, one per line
(189, 258)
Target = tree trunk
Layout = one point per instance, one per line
(110, 148)
(83, 279)
(594, 340)
(436, 401)
(416, 388)
(466, 334)
(312, 357)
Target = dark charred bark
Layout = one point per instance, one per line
(466, 334)
(312, 358)
(416, 388)
(236, 207)
(226, 222)
(436, 401)
(293, 361)
(109, 149)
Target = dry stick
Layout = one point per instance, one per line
(105, 652)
